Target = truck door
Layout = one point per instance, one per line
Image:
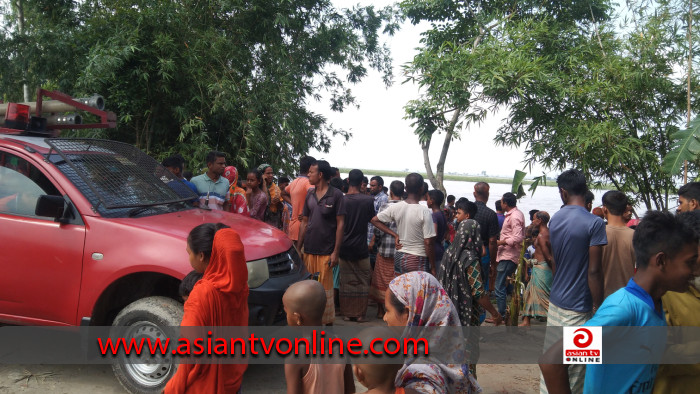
(40, 260)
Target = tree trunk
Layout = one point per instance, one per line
(426, 159)
(436, 179)
(20, 27)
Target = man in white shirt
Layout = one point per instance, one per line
(414, 222)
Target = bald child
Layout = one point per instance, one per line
(304, 303)
(379, 378)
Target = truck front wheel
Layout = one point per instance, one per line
(147, 318)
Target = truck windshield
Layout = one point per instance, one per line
(117, 178)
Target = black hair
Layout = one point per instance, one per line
(380, 180)
(589, 197)
(543, 216)
(481, 189)
(690, 191)
(174, 161)
(426, 188)
(692, 219)
(498, 206)
(467, 206)
(335, 170)
(305, 162)
(661, 232)
(346, 185)
(336, 183)
(414, 183)
(510, 199)
(396, 188)
(364, 179)
(355, 177)
(532, 213)
(616, 202)
(437, 196)
(396, 303)
(450, 199)
(573, 182)
(187, 175)
(385, 189)
(188, 283)
(201, 238)
(283, 179)
(213, 155)
(325, 169)
(257, 173)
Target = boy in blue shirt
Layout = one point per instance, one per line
(666, 249)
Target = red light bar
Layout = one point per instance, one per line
(17, 116)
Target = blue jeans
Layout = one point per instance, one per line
(505, 269)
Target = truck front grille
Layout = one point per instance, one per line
(283, 263)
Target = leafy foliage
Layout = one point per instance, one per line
(580, 91)
(231, 75)
(685, 146)
(517, 187)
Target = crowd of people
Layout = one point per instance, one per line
(425, 264)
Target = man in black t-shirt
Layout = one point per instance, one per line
(355, 268)
(321, 231)
(488, 221)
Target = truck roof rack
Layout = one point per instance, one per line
(60, 103)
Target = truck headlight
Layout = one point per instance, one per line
(257, 273)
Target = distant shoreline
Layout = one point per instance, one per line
(462, 178)
(466, 178)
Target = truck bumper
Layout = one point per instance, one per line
(265, 301)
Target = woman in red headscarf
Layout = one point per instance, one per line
(220, 298)
(238, 204)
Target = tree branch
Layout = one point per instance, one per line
(443, 154)
(597, 34)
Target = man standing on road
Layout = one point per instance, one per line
(618, 259)
(577, 239)
(296, 192)
(509, 247)
(414, 241)
(376, 189)
(383, 271)
(212, 187)
(488, 220)
(355, 269)
(321, 231)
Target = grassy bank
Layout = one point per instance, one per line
(463, 178)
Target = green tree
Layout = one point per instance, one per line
(582, 91)
(231, 75)
(38, 47)
(452, 96)
(193, 75)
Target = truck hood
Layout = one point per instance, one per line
(259, 239)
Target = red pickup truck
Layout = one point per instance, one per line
(94, 232)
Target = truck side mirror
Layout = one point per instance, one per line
(50, 206)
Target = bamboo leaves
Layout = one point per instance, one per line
(685, 146)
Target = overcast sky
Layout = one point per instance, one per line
(382, 139)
